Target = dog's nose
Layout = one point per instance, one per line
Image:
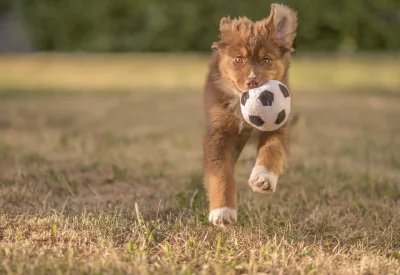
(252, 82)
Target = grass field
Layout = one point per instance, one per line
(163, 72)
(111, 183)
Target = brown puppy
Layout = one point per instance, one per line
(247, 55)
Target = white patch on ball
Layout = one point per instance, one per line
(267, 107)
(222, 216)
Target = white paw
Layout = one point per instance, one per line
(222, 216)
(262, 181)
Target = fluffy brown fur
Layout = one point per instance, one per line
(247, 55)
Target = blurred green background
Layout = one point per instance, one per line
(189, 25)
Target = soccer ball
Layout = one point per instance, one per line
(267, 107)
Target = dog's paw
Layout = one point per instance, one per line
(222, 216)
(263, 181)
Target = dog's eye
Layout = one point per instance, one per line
(266, 60)
(238, 59)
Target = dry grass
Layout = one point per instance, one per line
(112, 184)
(135, 72)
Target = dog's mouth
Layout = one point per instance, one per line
(240, 91)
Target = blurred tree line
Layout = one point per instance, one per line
(189, 25)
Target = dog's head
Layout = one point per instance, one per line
(251, 53)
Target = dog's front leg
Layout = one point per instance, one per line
(219, 150)
(271, 160)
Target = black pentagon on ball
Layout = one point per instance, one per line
(256, 120)
(245, 97)
(266, 98)
(281, 117)
(284, 90)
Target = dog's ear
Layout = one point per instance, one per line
(215, 46)
(225, 25)
(283, 23)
